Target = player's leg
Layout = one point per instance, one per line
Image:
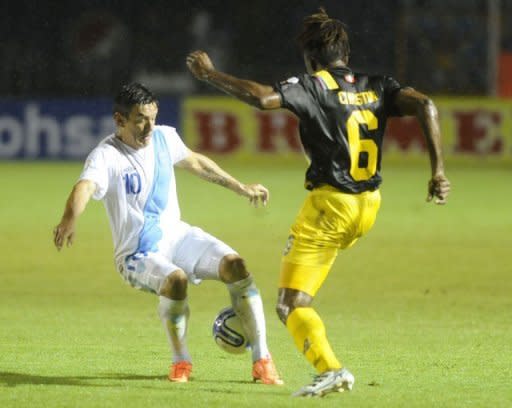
(304, 324)
(308, 331)
(247, 303)
(174, 313)
(310, 251)
(204, 257)
(329, 220)
(154, 273)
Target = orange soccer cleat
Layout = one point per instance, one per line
(180, 371)
(265, 371)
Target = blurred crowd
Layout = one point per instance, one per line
(89, 47)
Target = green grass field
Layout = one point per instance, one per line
(420, 310)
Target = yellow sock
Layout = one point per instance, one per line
(308, 332)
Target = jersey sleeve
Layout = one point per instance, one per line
(391, 87)
(296, 93)
(96, 170)
(177, 148)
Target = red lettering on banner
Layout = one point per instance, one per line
(404, 133)
(272, 125)
(218, 132)
(478, 132)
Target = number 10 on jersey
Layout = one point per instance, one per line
(132, 183)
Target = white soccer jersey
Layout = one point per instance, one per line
(138, 189)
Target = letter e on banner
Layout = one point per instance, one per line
(478, 132)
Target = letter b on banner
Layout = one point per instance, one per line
(218, 132)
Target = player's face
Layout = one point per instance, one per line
(137, 129)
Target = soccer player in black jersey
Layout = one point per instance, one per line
(342, 117)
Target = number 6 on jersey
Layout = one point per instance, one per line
(358, 145)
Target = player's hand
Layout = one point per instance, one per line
(199, 63)
(438, 187)
(63, 233)
(256, 193)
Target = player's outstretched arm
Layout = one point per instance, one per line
(64, 232)
(208, 170)
(251, 92)
(412, 102)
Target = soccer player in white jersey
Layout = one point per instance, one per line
(132, 172)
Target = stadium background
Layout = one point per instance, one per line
(64, 63)
(419, 310)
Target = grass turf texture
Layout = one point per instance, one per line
(419, 310)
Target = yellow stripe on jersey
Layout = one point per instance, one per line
(327, 78)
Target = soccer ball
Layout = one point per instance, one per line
(228, 332)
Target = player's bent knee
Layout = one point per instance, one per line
(232, 269)
(175, 285)
(282, 311)
(290, 299)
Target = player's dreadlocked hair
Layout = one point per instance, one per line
(324, 39)
(130, 95)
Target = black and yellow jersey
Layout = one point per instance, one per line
(342, 118)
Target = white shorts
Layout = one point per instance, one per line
(195, 252)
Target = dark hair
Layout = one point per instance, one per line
(130, 95)
(324, 39)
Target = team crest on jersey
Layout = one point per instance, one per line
(290, 81)
(350, 78)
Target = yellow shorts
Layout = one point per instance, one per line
(328, 221)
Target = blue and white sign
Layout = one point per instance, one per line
(61, 128)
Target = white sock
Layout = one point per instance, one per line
(174, 316)
(246, 301)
